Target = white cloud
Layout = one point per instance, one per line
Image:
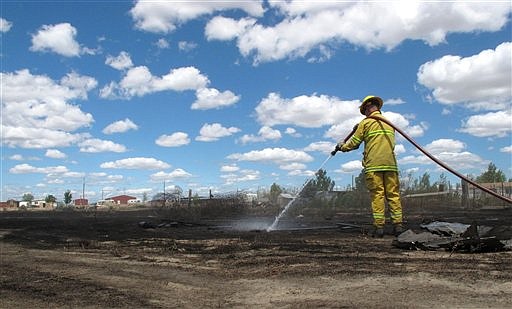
(162, 43)
(121, 62)
(55, 154)
(36, 112)
(104, 178)
(139, 81)
(138, 191)
(340, 131)
(230, 168)
(351, 167)
(279, 156)
(120, 126)
(136, 163)
(95, 145)
(44, 95)
(403, 123)
(214, 131)
(445, 145)
(66, 175)
(294, 166)
(264, 134)
(307, 27)
(223, 28)
(395, 101)
(302, 173)
(164, 17)
(186, 46)
(399, 149)
(55, 181)
(292, 132)
(29, 169)
(305, 111)
(176, 174)
(78, 85)
(241, 176)
(494, 124)
(456, 160)
(322, 146)
(5, 25)
(449, 151)
(184, 78)
(16, 157)
(58, 38)
(208, 98)
(507, 149)
(176, 139)
(412, 170)
(480, 82)
(37, 138)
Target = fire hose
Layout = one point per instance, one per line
(442, 164)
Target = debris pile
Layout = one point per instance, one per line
(457, 237)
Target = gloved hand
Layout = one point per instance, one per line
(336, 149)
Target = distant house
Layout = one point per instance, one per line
(107, 203)
(9, 204)
(121, 199)
(135, 201)
(42, 204)
(37, 204)
(81, 202)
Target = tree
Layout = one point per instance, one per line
(275, 191)
(442, 183)
(50, 199)
(320, 183)
(493, 174)
(27, 197)
(360, 182)
(422, 184)
(67, 197)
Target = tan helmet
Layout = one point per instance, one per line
(371, 99)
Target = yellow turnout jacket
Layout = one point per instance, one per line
(379, 144)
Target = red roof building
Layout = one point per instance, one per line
(81, 202)
(121, 199)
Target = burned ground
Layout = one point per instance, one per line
(153, 258)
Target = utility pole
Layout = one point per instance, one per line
(164, 194)
(465, 194)
(83, 193)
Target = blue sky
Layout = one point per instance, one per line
(237, 95)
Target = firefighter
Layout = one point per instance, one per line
(379, 164)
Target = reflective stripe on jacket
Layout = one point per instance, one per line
(379, 144)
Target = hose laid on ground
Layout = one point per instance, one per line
(503, 198)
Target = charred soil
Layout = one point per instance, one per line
(150, 259)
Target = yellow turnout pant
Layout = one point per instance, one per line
(384, 186)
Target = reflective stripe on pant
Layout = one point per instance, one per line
(384, 186)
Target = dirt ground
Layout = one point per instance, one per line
(103, 259)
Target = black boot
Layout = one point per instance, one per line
(378, 232)
(398, 229)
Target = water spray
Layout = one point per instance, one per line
(290, 203)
